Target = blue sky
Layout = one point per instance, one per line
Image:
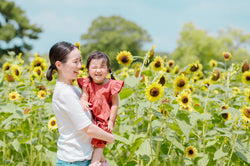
(67, 20)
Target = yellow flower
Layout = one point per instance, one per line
(20, 59)
(16, 71)
(163, 112)
(124, 58)
(13, 96)
(162, 80)
(245, 67)
(168, 70)
(216, 75)
(191, 88)
(52, 124)
(176, 69)
(157, 64)
(170, 63)
(125, 75)
(224, 107)
(154, 92)
(195, 67)
(226, 55)
(77, 44)
(37, 71)
(6, 66)
(199, 75)
(191, 152)
(151, 53)
(41, 94)
(226, 116)
(245, 114)
(184, 99)
(236, 90)
(212, 63)
(247, 93)
(39, 62)
(180, 82)
(246, 77)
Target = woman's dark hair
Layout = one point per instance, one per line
(58, 52)
(99, 55)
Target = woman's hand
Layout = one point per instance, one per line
(85, 105)
(110, 125)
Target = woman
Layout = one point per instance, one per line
(75, 125)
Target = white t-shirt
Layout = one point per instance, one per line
(73, 144)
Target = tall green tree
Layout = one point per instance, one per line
(112, 35)
(195, 44)
(15, 29)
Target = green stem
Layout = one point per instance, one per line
(232, 150)
(158, 144)
(204, 126)
(119, 156)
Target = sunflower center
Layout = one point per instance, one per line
(248, 78)
(171, 64)
(37, 63)
(16, 72)
(191, 152)
(184, 99)
(224, 115)
(13, 97)
(158, 64)
(181, 83)
(124, 59)
(194, 68)
(223, 107)
(154, 92)
(38, 72)
(226, 56)
(247, 113)
(7, 67)
(53, 123)
(162, 80)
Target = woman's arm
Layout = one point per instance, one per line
(96, 132)
(84, 99)
(114, 109)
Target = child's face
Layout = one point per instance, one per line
(98, 70)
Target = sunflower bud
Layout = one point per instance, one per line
(226, 55)
(216, 75)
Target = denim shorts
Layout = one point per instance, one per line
(76, 163)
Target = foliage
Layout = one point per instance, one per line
(162, 132)
(195, 44)
(112, 34)
(15, 26)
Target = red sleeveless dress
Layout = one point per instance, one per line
(100, 97)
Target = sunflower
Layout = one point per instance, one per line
(245, 114)
(6, 66)
(226, 116)
(125, 75)
(157, 64)
(52, 125)
(176, 69)
(236, 90)
(19, 58)
(77, 44)
(195, 67)
(154, 92)
(41, 94)
(13, 96)
(124, 58)
(224, 107)
(162, 80)
(9, 77)
(191, 152)
(37, 71)
(226, 55)
(163, 112)
(180, 82)
(170, 63)
(16, 71)
(184, 99)
(246, 77)
(216, 75)
(151, 53)
(247, 93)
(168, 70)
(39, 62)
(212, 63)
(191, 88)
(245, 67)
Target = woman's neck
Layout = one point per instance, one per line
(69, 82)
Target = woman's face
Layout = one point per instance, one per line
(98, 70)
(70, 69)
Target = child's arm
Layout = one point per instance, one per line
(84, 99)
(114, 109)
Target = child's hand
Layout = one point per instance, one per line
(85, 105)
(110, 126)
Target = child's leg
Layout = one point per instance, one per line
(96, 156)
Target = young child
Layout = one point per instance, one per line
(100, 95)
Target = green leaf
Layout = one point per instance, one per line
(16, 145)
(38, 147)
(147, 73)
(131, 81)
(218, 154)
(144, 149)
(2, 143)
(185, 128)
(122, 139)
(203, 161)
(137, 121)
(175, 142)
(210, 143)
(125, 93)
(244, 156)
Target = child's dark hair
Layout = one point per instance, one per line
(58, 52)
(99, 55)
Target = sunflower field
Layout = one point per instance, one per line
(168, 115)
